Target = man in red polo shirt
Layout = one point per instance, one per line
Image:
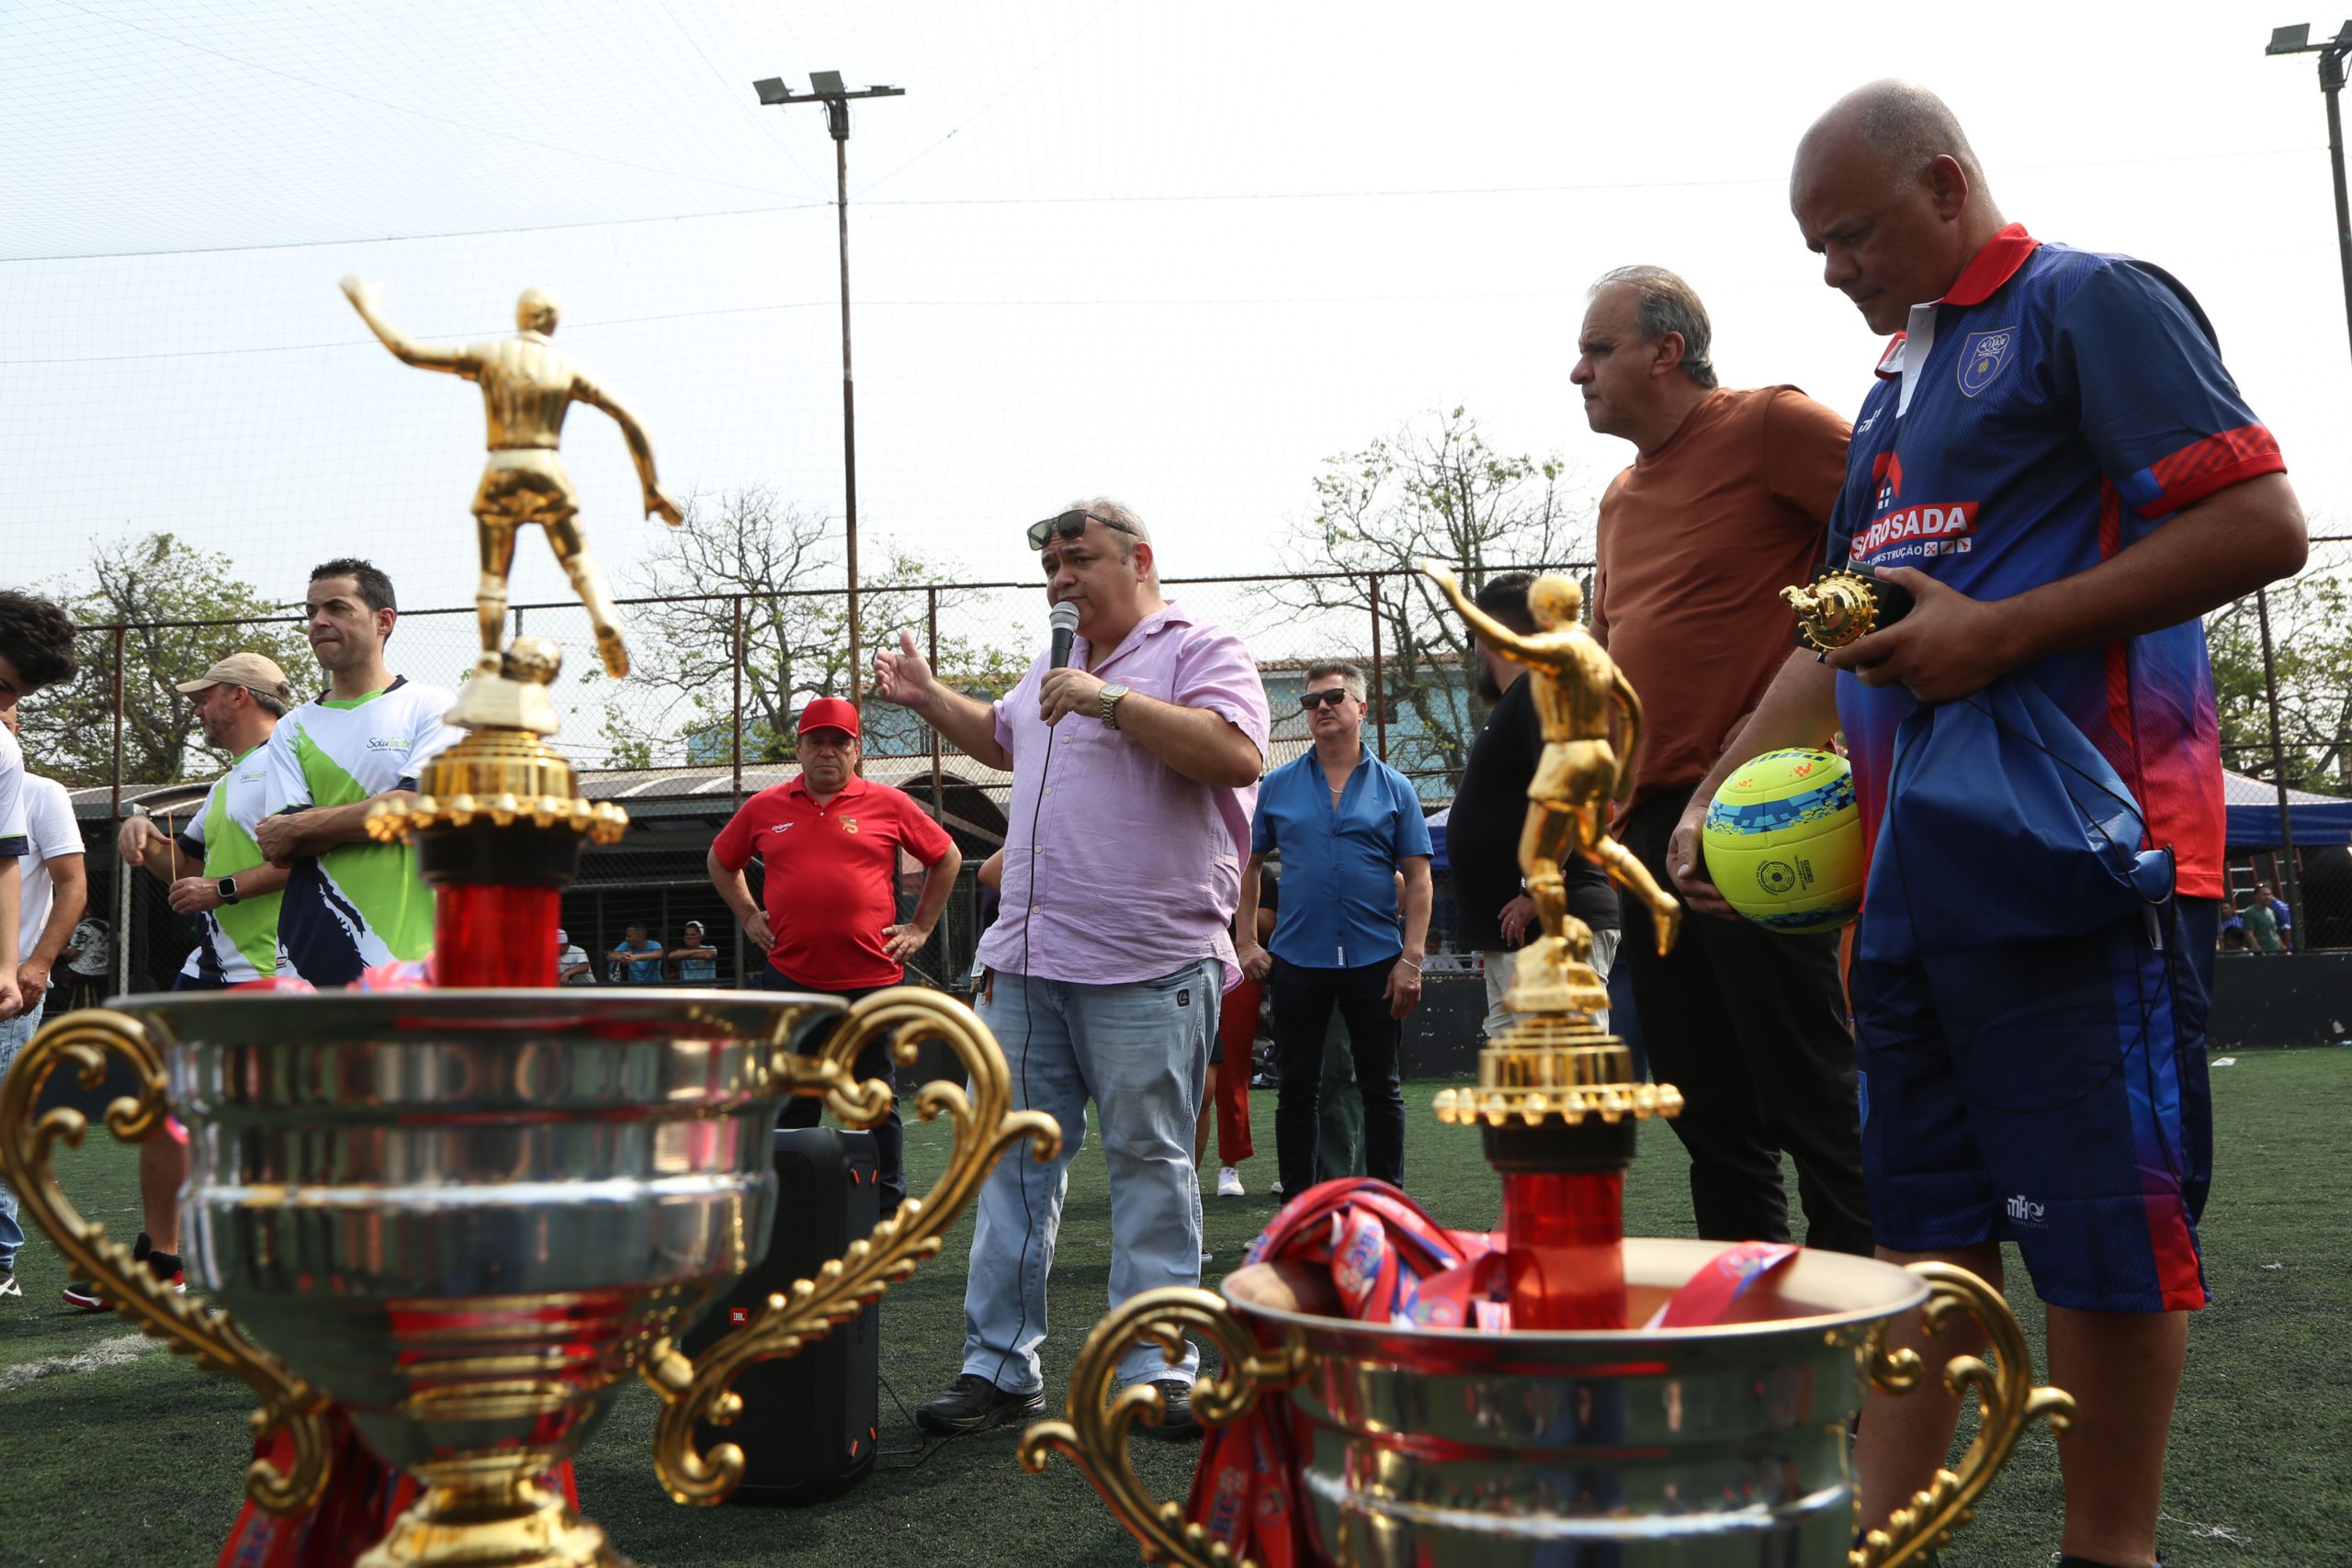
(830, 842)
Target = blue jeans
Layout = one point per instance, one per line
(1141, 1053)
(13, 1035)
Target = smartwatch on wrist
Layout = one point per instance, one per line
(227, 888)
(1111, 695)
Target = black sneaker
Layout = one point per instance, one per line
(164, 1265)
(1179, 1423)
(972, 1404)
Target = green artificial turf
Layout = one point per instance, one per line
(131, 1455)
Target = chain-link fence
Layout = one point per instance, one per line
(704, 721)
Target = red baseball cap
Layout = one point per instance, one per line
(830, 712)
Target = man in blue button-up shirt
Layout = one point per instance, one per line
(1347, 824)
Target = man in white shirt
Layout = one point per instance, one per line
(53, 890)
(571, 963)
(35, 650)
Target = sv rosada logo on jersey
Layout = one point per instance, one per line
(1912, 532)
(1919, 532)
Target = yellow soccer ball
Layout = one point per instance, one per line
(1784, 841)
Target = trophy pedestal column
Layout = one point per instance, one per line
(1565, 1233)
(510, 1522)
(499, 828)
(490, 935)
(1559, 1111)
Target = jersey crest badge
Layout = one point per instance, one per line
(849, 824)
(1981, 355)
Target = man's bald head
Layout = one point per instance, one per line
(1901, 125)
(1888, 192)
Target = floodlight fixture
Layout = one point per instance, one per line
(2289, 40)
(827, 84)
(771, 90)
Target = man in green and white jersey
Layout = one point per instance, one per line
(350, 902)
(214, 868)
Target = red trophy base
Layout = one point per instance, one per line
(1564, 1219)
(1564, 1235)
(487, 934)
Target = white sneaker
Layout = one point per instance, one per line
(1276, 1189)
(1208, 1256)
(1229, 1182)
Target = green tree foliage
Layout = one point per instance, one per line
(181, 608)
(2311, 644)
(1431, 489)
(780, 566)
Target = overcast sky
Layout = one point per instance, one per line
(1180, 253)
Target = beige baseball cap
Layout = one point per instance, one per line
(250, 671)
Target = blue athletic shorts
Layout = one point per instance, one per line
(2053, 1094)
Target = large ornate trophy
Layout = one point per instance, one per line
(467, 1215)
(1571, 1439)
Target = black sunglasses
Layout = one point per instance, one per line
(1069, 525)
(1332, 697)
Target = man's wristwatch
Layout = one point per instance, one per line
(227, 888)
(1111, 695)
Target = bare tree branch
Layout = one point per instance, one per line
(1432, 489)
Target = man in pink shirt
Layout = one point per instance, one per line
(1135, 770)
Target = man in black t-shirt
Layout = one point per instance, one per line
(1494, 913)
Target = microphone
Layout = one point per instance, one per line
(1065, 624)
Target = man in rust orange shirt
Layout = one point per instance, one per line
(830, 842)
(1727, 502)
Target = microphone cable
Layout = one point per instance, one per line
(1028, 1025)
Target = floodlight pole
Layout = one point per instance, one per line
(826, 89)
(2332, 53)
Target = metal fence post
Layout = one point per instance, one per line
(123, 895)
(736, 728)
(931, 617)
(1379, 681)
(2289, 867)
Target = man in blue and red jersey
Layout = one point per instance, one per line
(830, 842)
(2059, 468)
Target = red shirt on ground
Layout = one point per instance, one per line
(830, 874)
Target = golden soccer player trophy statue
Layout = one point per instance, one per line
(1578, 688)
(526, 389)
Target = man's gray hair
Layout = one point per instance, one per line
(1351, 676)
(1663, 303)
(267, 704)
(1102, 506)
